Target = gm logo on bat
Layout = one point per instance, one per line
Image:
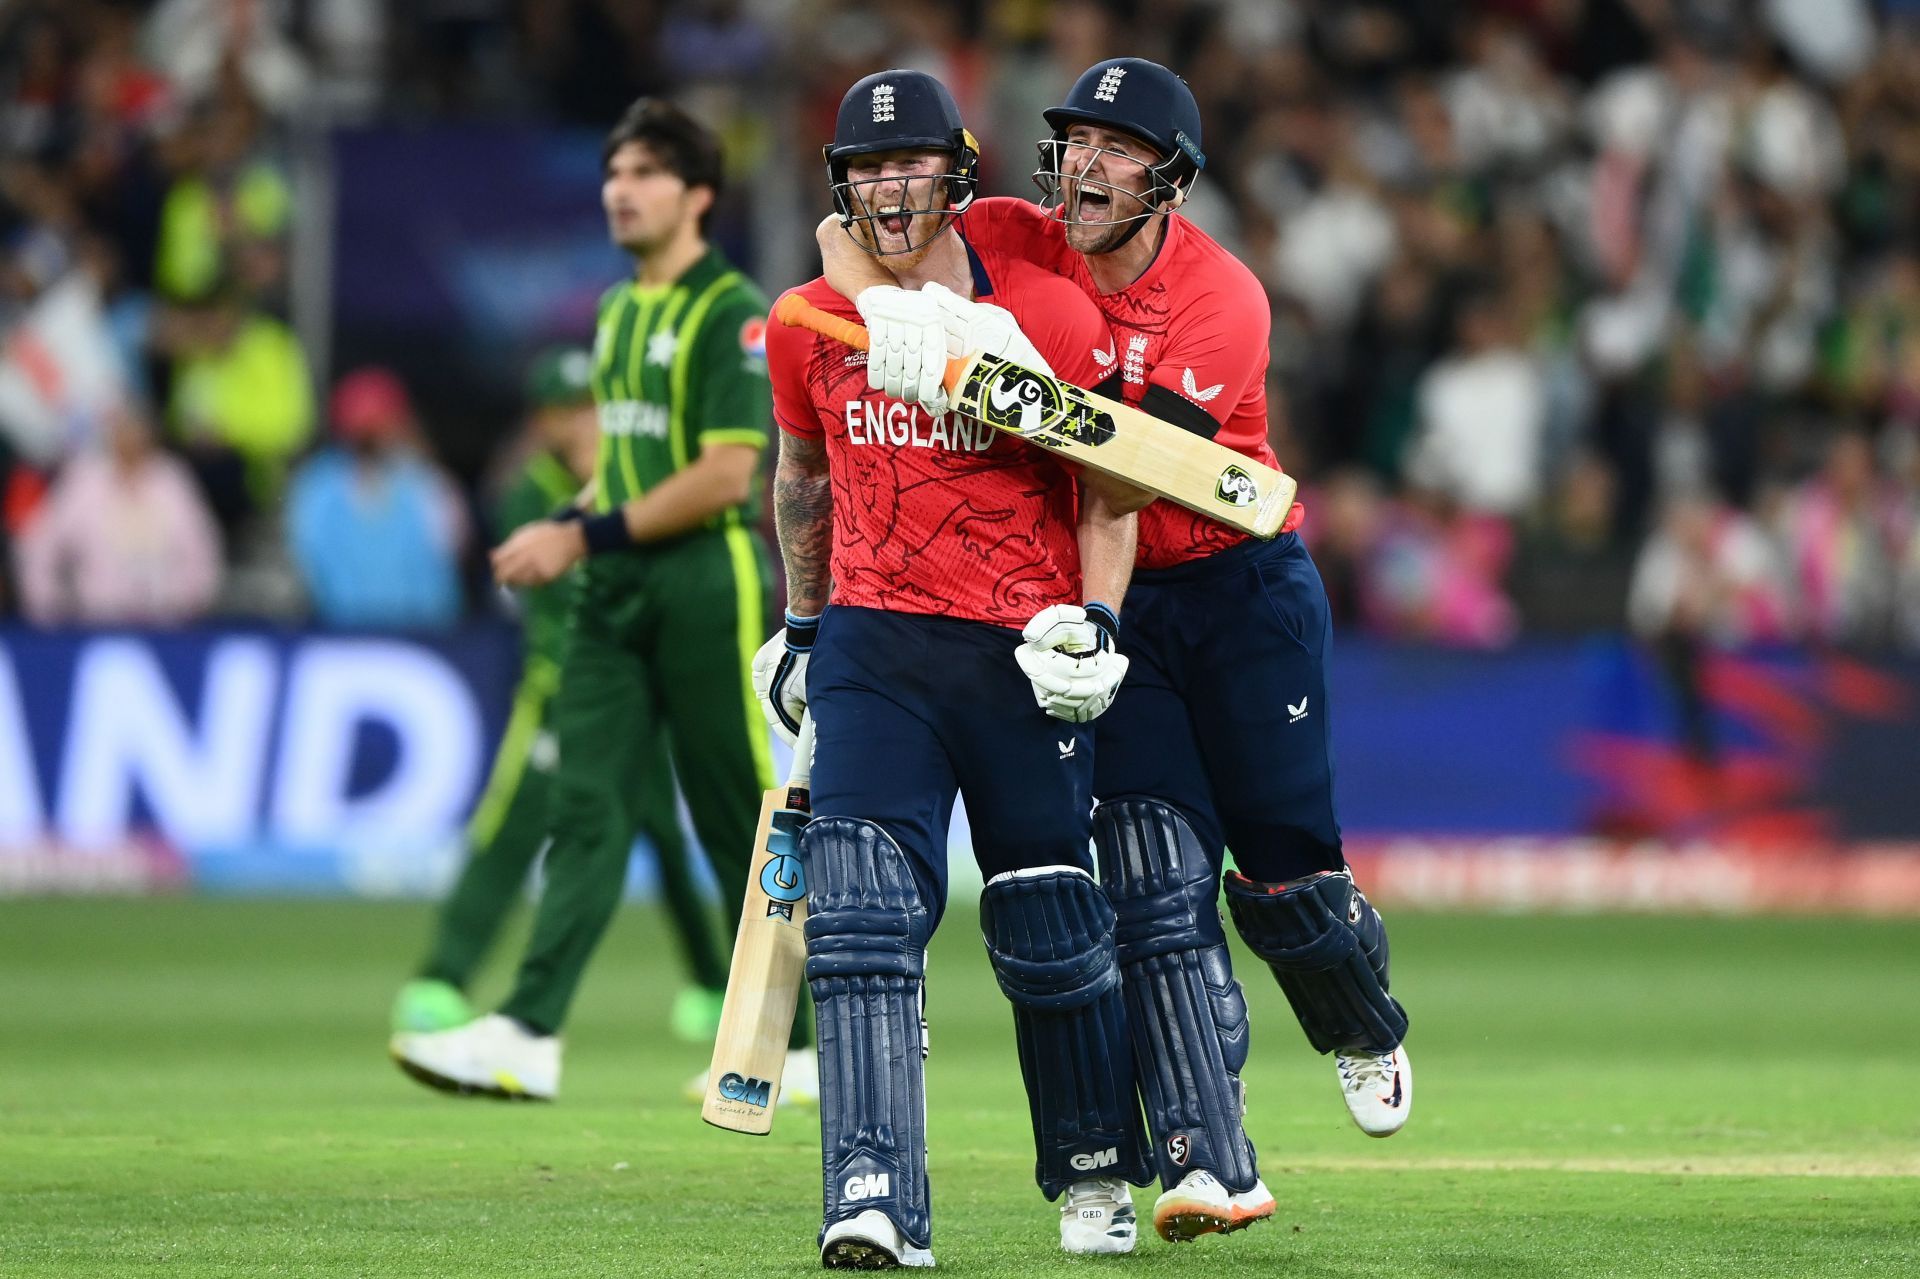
(749, 1092)
(784, 883)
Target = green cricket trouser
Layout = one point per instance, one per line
(509, 827)
(662, 635)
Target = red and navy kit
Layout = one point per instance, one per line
(942, 515)
(1224, 712)
(1188, 324)
(948, 537)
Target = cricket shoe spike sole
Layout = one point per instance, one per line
(1378, 1089)
(1097, 1217)
(1200, 1205)
(870, 1241)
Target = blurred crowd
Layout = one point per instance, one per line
(1588, 314)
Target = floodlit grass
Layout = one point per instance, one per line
(196, 1088)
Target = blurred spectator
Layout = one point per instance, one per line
(123, 537)
(227, 195)
(1709, 573)
(1571, 570)
(1482, 417)
(1436, 575)
(375, 528)
(198, 42)
(61, 368)
(1846, 531)
(242, 405)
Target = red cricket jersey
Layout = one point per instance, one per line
(942, 515)
(1196, 322)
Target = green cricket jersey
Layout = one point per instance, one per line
(678, 367)
(543, 486)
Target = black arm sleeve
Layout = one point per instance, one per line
(1165, 405)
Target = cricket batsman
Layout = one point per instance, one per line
(1223, 738)
(932, 562)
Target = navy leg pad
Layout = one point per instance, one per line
(867, 933)
(1187, 1014)
(1049, 933)
(1328, 949)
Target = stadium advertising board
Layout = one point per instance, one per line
(1552, 776)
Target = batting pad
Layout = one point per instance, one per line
(1187, 1014)
(867, 933)
(1328, 949)
(1049, 932)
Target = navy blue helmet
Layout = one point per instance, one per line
(892, 111)
(1142, 99)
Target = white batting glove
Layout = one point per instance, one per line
(973, 328)
(907, 345)
(1069, 659)
(780, 676)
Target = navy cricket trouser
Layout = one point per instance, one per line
(1224, 711)
(910, 709)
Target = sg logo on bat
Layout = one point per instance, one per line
(1237, 488)
(1016, 399)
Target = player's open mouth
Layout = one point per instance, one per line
(894, 219)
(1093, 204)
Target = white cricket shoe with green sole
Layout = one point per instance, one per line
(493, 1057)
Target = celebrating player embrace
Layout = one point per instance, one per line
(1222, 739)
(919, 546)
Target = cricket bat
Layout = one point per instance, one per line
(1098, 433)
(769, 952)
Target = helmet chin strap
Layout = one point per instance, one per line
(1141, 222)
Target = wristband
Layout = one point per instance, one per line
(606, 532)
(801, 632)
(1106, 619)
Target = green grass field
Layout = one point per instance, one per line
(195, 1088)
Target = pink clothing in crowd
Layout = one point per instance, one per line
(114, 545)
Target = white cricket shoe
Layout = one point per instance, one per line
(494, 1056)
(799, 1080)
(1378, 1088)
(1096, 1215)
(1200, 1205)
(869, 1241)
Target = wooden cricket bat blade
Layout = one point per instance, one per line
(769, 955)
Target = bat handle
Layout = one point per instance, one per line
(795, 311)
(800, 776)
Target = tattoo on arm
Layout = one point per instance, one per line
(803, 519)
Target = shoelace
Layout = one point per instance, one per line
(1111, 1188)
(1366, 1070)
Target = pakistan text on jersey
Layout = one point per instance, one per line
(634, 417)
(909, 426)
